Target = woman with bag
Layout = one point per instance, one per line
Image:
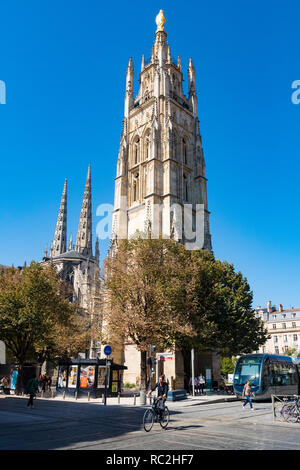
(246, 394)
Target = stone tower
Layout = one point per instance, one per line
(160, 183)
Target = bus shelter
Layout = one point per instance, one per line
(89, 376)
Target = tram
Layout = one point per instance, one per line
(269, 374)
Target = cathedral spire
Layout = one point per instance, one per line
(84, 232)
(192, 87)
(59, 241)
(129, 88)
(70, 248)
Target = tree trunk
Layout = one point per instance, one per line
(143, 370)
(186, 354)
(19, 384)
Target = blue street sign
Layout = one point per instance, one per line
(107, 350)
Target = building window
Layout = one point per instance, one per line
(274, 317)
(283, 325)
(293, 315)
(283, 315)
(286, 348)
(185, 189)
(276, 350)
(294, 324)
(136, 151)
(275, 339)
(274, 326)
(184, 151)
(295, 337)
(285, 338)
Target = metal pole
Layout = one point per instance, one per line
(156, 369)
(118, 398)
(193, 372)
(105, 384)
(134, 399)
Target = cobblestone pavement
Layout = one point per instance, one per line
(57, 424)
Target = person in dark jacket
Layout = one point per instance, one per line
(162, 393)
(31, 388)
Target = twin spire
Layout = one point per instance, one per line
(83, 243)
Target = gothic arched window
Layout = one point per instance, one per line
(136, 187)
(185, 189)
(184, 149)
(136, 151)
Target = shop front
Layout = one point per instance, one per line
(89, 376)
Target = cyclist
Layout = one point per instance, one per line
(162, 393)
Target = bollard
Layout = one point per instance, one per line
(52, 393)
(118, 398)
(102, 397)
(64, 395)
(89, 396)
(134, 399)
(76, 395)
(142, 397)
(42, 394)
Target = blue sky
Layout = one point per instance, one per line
(64, 66)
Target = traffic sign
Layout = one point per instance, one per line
(107, 350)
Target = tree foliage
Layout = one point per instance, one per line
(37, 321)
(160, 293)
(148, 300)
(228, 365)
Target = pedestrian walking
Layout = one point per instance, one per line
(246, 393)
(202, 384)
(44, 383)
(31, 389)
(49, 382)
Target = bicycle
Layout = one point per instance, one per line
(152, 416)
(291, 411)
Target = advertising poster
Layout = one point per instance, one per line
(101, 377)
(62, 377)
(114, 387)
(14, 380)
(87, 376)
(115, 375)
(73, 377)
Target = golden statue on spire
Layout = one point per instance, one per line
(160, 20)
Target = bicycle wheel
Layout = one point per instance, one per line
(148, 420)
(285, 410)
(292, 415)
(165, 418)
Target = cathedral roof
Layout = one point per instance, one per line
(71, 255)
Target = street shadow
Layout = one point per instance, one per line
(66, 425)
(183, 428)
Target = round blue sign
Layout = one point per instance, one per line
(107, 350)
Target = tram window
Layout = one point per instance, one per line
(283, 374)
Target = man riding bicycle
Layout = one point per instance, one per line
(162, 393)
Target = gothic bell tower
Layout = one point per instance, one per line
(160, 183)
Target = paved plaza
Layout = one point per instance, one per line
(195, 425)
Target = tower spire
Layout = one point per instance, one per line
(84, 232)
(129, 88)
(59, 241)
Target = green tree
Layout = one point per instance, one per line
(227, 365)
(37, 321)
(222, 315)
(147, 296)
